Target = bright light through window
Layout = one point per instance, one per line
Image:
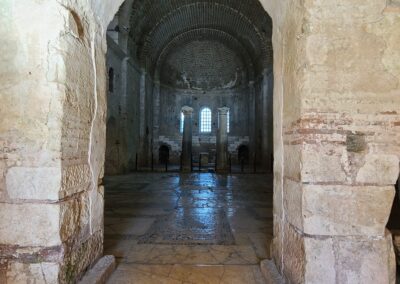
(182, 122)
(205, 120)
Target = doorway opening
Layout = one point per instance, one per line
(394, 225)
(216, 66)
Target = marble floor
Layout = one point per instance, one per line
(194, 228)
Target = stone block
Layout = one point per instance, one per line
(323, 164)
(364, 260)
(41, 183)
(346, 210)
(30, 224)
(349, 260)
(79, 256)
(21, 273)
(71, 212)
(292, 161)
(379, 169)
(75, 179)
(294, 254)
(293, 199)
(97, 209)
(314, 259)
(100, 272)
(320, 267)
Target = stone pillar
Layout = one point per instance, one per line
(252, 122)
(187, 140)
(332, 195)
(222, 140)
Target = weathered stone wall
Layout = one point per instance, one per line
(336, 139)
(122, 111)
(53, 139)
(205, 143)
(169, 111)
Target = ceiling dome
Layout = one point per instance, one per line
(160, 27)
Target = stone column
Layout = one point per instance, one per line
(187, 140)
(252, 122)
(222, 140)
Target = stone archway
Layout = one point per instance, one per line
(336, 138)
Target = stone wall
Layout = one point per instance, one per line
(123, 121)
(336, 139)
(203, 65)
(205, 144)
(169, 111)
(53, 139)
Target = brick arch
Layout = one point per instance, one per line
(246, 62)
(204, 15)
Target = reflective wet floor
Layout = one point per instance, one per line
(195, 228)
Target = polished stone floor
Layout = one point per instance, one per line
(195, 228)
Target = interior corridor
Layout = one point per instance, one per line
(193, 228)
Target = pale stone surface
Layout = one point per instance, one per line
(375, 261)
(33, 183)
(309, 259)
(293, 202)
(97, 209)
(379, 169)
(30, 224)
(346, 210)
(320, 263)
(322, 163)
(20, 273)
(171, 274)
(292, 161)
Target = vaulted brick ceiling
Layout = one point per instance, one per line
(157, 27)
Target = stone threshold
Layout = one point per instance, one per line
(100, 272)
(270, 272)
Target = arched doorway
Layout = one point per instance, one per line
(336, 114)
(163, 154)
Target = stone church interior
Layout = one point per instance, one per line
(200, 141)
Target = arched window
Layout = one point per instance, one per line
(205, 120)
(182, 122)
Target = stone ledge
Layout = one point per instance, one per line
(100, 272)
(270, 272)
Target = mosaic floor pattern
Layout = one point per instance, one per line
(203, 226)
(195, 228)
